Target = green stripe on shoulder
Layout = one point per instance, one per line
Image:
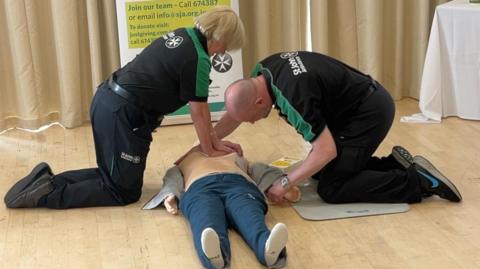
(256, 69)
(293, 117)
(203, 66)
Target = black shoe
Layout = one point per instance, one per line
(402, 156)
(28, 191)
(434, 182)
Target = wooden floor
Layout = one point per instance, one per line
(433, 234)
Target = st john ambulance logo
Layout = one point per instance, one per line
(130, 158)
(173, 42)
(287, 55)
(222, 62)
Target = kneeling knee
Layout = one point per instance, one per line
(131, 198)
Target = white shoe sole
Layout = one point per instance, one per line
(276, 242)
(430, 168)
(211, 248)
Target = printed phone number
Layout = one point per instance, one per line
(199, 3)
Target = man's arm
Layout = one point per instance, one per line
(323, 151)
(225, 126)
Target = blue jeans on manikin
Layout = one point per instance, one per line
(223, 201)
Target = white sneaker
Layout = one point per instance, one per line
(211, 248)
(276, 242)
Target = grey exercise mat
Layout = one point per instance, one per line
(312, 207)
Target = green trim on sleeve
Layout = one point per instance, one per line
(293, 117)
(203, 66)
(255, 70)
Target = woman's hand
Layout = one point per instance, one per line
(227, 146)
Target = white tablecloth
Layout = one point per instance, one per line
(451, 74)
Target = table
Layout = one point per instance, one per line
(451, 73)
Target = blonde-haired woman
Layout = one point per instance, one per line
(169, 73)
(221, 25)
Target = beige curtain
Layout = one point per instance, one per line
(53, 54)
(272, 26)
(387, 39)
(384, 38)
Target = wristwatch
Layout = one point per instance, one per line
(285, 181)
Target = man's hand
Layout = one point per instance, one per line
(171, 205)
(276, 192)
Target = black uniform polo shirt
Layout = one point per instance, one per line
(311, 90)
(171, 71)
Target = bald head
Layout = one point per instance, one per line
(240, 96)
(247, 100)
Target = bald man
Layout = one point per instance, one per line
(246, 96)
(345, 115)
(226, 191)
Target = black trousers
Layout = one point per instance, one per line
(122, 135)
(357, 176)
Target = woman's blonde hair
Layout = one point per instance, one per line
(222, 24)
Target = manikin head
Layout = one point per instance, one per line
(248, 100)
